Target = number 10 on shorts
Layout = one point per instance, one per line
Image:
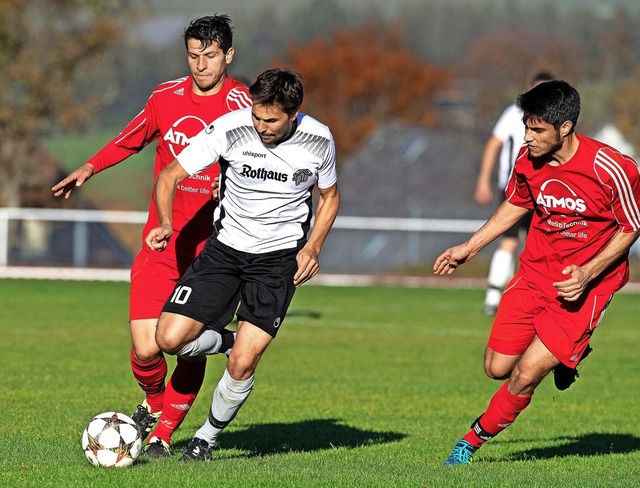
(181, 295)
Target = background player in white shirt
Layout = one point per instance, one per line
(505, 141)
(271, 157)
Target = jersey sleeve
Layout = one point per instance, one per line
(620, 174)
(204, 149)
(327, 174)
(141, 131)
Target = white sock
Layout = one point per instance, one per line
(500, 272)
(208, 342)
(228, 397)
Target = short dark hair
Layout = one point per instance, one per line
(210, 29)
(553, 102)
(279, 87)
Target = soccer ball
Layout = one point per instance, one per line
(111, 439)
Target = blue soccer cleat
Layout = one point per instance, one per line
(462, 453)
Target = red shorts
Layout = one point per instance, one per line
(565, 328)
(154, 275)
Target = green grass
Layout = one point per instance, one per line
(126, 186)
(364, 387)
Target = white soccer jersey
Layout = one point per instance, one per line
(510, 130)
(265, 189)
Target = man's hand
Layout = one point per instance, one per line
(308, 266)
(215, 188)
(158, 238)
(75, 179)
(449, 260)
(484, 193)
(572, 288)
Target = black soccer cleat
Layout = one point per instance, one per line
(157, 448)
(564, 377)
(197, 450)
(145, 420)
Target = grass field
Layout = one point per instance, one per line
(364, 387)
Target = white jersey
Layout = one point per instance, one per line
(265, 189)
(510, 130)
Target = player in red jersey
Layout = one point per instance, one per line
(585, 197)
(175, 112)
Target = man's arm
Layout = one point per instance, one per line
(580, 276)
(502, 219)
(165, 189)
(484, 188)
(307, 258)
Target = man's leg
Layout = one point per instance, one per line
(184, 385)
(173, 331)
(149, 368)
(501, 271)
(232, 390)
(512, 398)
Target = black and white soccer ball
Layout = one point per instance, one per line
(111, 440)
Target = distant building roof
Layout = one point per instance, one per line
(408, 171)
(404, 172)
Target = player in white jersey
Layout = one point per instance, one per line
(271, 157)
(505, 140)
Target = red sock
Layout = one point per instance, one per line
(500, 414)
(181, 392)
(150, 376)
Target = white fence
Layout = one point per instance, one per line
(30, 229)
(80, 244)
(57, 238)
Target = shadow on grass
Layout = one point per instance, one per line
(305, 436)
(304, 312)
(595, 444)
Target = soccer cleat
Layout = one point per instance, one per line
(564, 376)
(157, 448)
(197, 450)
(144, 419)
(462, 453)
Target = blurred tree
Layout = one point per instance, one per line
(44, 44)
(361, 78)
(627, 108)
(503, 61)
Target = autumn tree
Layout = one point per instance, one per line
(627, 107)
(359, 79)
(44, 45)
(503, 62)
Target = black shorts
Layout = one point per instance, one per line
(521, 225)
(221, 278)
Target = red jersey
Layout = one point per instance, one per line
(578, 207)
(172, 116)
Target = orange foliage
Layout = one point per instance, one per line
(627, 107)
(359, 79)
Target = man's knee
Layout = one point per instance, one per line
(143, 340)
(241, 365)
(498, 366)
(524, 380)
(174, 331)
(495, 372)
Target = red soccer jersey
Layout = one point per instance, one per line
(172, 116)
(578, 207)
